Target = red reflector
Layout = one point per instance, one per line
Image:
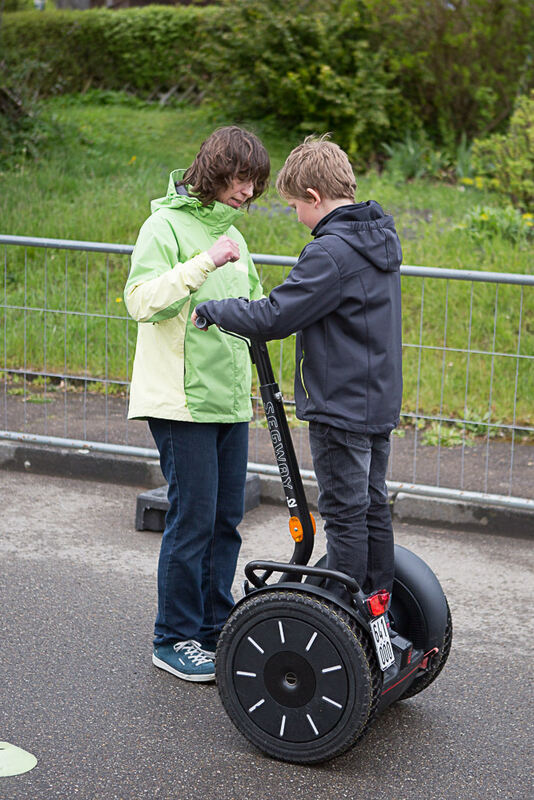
(378, 603)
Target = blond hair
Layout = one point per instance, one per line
(318, 164)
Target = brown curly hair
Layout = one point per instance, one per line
(230, 152)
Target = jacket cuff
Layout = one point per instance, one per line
(193, 272)
(202, 310)
(203, 261)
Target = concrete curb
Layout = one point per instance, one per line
(460, 515)
(81, 464)
(146, 474)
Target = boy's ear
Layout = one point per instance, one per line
(314, 196)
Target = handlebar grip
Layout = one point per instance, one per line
(201, 323)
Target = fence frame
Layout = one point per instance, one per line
(472, 276)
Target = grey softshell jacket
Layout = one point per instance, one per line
(343, 296)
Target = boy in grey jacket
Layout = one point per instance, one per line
(343, 297)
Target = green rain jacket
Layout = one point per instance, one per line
(179, 372)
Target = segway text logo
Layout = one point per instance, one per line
(279, 452)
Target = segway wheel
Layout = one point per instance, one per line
(295, 675)
(439, 662)
(419, 611)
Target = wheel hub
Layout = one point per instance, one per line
(289, 679)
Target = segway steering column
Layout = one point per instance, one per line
(301, 524)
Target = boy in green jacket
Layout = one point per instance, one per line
(194, 389)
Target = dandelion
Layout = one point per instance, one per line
(118, 299)
(484, 216)
(479, 182)
(467, 181)
(132, 160)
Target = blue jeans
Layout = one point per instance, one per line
(205, 465)
(353, 502)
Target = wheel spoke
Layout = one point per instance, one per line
(256, 645)
(312, 723)
(332, 702)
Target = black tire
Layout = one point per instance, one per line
(419, 609)
(420, 612)
(296, 676)
(438, 662)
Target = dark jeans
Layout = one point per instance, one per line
(353, 502)
(205, 465)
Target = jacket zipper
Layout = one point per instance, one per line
(301, 369)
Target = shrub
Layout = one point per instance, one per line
(463, 161)
(484, 222)
(454, 62)
(508, 160)
(22, 127)
(367, 70)
(142, 49)
(18, 5)
(414, 157)
(307, 64)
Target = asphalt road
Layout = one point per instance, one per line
(78, 690)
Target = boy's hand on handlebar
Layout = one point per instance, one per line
(199, 322)
(224, 250)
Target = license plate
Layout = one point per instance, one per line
(384, 650)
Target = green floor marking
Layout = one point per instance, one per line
(14, 760)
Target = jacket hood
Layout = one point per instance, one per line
(369, 231)
(216, 216)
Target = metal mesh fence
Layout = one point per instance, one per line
(67, 346)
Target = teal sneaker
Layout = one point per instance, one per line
(186, 660)
(208, 647)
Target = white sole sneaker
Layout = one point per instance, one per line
(199, 678)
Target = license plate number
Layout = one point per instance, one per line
(383, 647)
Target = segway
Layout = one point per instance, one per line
(301, 673)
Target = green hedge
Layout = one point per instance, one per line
(140, 49)
(368, 70)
